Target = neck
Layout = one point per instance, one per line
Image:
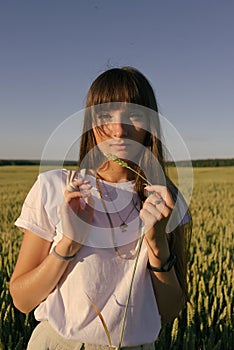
(113, 172)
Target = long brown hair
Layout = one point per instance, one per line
(128, 85)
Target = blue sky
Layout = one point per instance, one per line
(50, 52)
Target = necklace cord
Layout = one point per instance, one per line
(110, 221)
(123, 226)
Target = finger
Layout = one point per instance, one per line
(85, 188)
(162, 191)
(154, 198)
(74, 195)
(152, 210)
(159, 204)
(148, 219)
(161, 208)
(81, 182)
(156, 205)
(75, 185)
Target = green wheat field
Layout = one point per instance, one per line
(206, 323)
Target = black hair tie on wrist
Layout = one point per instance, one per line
(165, 268)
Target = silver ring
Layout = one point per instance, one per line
(157, 201)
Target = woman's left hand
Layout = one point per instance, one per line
(156, 211)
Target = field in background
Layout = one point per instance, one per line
(206, 323)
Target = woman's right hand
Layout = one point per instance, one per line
(76, 214)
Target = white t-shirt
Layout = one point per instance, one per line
(97, 274)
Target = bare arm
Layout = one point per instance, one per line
(155, 214)
(37, 272)
(168, 292)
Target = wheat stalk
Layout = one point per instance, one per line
(125, 165)
(130, 292)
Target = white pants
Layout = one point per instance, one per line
(44, 337)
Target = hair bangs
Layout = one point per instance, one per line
(117, 85)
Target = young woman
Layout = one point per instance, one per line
(83, 230)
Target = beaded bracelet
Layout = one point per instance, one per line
(165, 268)
(63, 258)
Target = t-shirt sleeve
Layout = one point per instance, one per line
(33, 215)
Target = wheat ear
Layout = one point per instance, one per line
(125, 165)
(98, 312)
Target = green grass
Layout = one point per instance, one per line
(204, 324)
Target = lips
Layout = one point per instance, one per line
(120, 145)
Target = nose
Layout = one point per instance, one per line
(119, 130)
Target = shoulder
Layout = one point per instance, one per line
(52, 176)
(52, 185)
(54, 179)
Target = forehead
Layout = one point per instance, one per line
(118, 107)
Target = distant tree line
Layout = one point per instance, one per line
(35, 162)
(195, 163)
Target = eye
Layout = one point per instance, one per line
(104, 117)
(136, 116)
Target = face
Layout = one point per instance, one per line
(120, 131)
